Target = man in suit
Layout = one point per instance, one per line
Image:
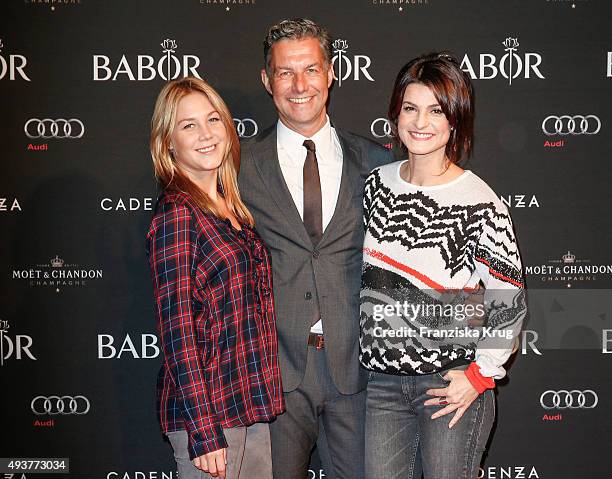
(302, 179)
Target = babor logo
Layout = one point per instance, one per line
(606, 341)
(147, 349)
(511, 65)
(345, 65)
(246, 127)
(167, 67)
(571, 125)
(573, 399)
(529, 340)
(48, 128)
(380, 128)
(64, 405)
(19, 346)
(13, 65)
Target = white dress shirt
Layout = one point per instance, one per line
(291, 157)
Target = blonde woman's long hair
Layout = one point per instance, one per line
(169, 175)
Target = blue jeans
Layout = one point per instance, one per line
(402, 441)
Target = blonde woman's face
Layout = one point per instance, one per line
(199, 139)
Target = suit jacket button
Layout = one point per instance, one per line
(315, 254)
(308, 295)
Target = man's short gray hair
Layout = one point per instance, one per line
(296, 29)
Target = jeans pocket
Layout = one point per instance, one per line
(441, 376)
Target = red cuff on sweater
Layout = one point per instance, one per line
(480, 382)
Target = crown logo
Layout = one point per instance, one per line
(340, 45)
(568, 258)
(57, 262)
(510, 43)
(1, 45)
(168, 45)
(4, 325)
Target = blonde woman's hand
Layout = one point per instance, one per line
(212, 463)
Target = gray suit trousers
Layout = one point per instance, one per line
(316, 407)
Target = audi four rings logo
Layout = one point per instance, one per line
(571, 125)
(573, 399)
(64, 405)
(48, 128)
(381, 128)
(245, 127)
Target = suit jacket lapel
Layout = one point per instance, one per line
(350, 178)
(266, 162)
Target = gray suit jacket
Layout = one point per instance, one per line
(330, 270)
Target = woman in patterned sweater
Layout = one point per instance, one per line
(434, 232)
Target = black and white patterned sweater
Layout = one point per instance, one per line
(425, 242)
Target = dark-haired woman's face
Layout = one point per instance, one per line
(422, 125)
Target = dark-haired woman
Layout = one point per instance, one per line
(220, 383)
(434, 232)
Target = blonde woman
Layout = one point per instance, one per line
(219, 384)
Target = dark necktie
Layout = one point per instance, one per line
(313, 211)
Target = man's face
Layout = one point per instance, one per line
(299, 83)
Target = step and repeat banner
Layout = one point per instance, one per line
(79, 354)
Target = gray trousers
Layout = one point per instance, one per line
(315, 404)
(248, 453)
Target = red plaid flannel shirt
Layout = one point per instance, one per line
(215, 309)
